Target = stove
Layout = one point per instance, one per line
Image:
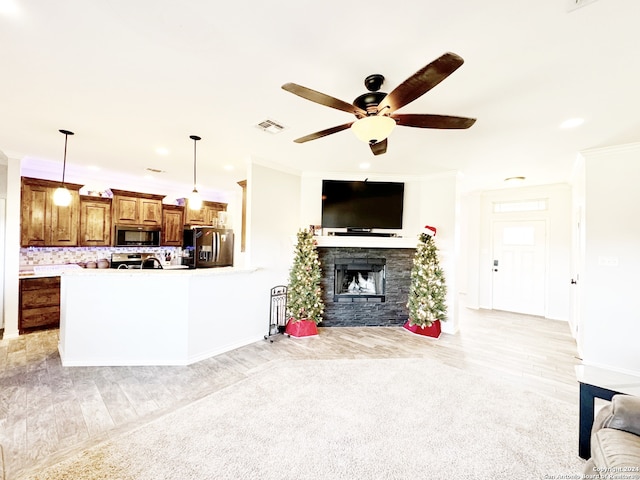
(133, 260)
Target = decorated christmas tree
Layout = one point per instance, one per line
(304, 295)
(428, 290)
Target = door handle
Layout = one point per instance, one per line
(574, 281)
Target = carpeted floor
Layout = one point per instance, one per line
(345, 419)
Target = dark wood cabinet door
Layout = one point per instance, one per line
(44, 224)
(34, 207)
(65, 223)
(95, 221)
(172, 225)
(150, 211)
(207, 215)
(125, 210)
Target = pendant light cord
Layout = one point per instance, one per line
(195, 142)
(64, 161)
(195, 139)
(66, 134)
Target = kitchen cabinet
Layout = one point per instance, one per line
(172, 225)
(132, 208)
(95, 221)
(43, 223)
(207, 215)
(39, 304)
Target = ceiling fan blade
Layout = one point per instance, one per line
(323, 99)
(433, 121)
(379, 148)
(323, 133)
(420, 82)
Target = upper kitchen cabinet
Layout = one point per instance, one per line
(132, 208)
(95, 221)
(44, 224)
(207, 215)
(172, 225)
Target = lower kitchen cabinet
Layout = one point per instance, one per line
(39, 304)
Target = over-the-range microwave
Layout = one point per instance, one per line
(129, 235)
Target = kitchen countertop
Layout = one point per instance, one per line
(178, 271)
(55, 270)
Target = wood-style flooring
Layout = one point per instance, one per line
(47, 410)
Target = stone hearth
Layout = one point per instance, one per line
(367, 310)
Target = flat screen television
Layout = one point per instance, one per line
(362, 204)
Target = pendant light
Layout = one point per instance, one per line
(195, 201)
(62, 196)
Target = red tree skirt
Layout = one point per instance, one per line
(432, 331)
(301, 328)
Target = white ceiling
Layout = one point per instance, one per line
(128, 76)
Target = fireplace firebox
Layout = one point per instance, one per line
(359, 279)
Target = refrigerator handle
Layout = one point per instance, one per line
(216, 247)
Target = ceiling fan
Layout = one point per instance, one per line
(374, 110)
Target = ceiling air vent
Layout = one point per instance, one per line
(270, 126)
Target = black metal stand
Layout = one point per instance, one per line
(277, 312)
(588, 394)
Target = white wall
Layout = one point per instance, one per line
(12, 248)
(311, 198)
(273, 218)
(3, 203)
(610, 303)
(479, 213)
(431, 200)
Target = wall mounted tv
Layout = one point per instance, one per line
(362, 205)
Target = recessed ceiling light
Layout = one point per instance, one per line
(162, 151)
(228, 168)
(365, 165)
(572, 122)
(93, 168)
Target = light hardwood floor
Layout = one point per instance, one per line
(47, 410)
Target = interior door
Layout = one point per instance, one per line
(519, 266)
(577, 254)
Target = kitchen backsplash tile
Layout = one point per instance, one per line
(60, 255)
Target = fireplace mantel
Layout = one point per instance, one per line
(366, 242)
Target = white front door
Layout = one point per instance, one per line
(519, 259)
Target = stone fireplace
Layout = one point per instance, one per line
(365, 286)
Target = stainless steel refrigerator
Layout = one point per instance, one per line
(207, 247)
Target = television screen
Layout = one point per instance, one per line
(362, 204)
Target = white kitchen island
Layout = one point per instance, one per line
(160, 317)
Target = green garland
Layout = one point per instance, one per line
(304, 294)
(428, 290)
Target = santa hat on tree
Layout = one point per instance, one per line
(431, 231)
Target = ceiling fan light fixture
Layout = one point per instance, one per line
(62, 196)
(374, 128)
